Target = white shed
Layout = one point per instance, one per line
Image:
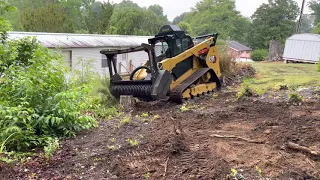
(81, 48)
(302, 48)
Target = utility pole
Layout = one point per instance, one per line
(300, 18)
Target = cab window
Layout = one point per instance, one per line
(181, 45)
(160, 48)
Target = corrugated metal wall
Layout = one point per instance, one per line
(81, 56)
(302, 47)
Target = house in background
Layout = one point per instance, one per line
(239, 51)
(302, 48)
(79, 49)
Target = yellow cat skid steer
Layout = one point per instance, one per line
(178, 67)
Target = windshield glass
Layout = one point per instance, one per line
(160, 49)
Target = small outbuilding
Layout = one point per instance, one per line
(78, 49)
(302, 48)
(239, 51)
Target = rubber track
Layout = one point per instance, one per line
(176, 94)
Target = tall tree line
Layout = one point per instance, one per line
(315, 7)
(86, 16)
(274, 20)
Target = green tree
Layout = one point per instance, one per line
(73, 9)
(316, 30)
(76, 15)
(275, 20)
(315, 7)
(50, 18)
(4, 25)
(14, 18)
(130, 19)
(307, 23)
(179, 18)
(218, 16)
(97, 17)
(186, 27)
(157, 9)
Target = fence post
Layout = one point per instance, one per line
(131, 67)
(119, 68)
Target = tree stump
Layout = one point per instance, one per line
(274, 50)
(127, 102)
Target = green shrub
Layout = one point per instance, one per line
(259, 55)
(36, 102)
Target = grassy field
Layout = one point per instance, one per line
(273, 75)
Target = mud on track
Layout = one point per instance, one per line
(188, 145)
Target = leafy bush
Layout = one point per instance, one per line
(259, 55)
(37, 104)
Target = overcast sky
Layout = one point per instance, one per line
(174, 8)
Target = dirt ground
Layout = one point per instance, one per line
(202, 140)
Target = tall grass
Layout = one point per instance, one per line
(230, 69)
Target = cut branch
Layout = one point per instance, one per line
(165, 167)
(237, 138)
(298, 147)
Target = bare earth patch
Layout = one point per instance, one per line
(205, 142)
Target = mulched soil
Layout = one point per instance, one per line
(187, 144)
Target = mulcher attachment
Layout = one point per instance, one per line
(155, 89)
(139, 89)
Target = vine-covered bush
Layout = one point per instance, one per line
(36, 102)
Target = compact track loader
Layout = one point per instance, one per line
(178, 68)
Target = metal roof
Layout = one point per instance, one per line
(302, 47)
(305, 37)
(65, 40)
(238, 46)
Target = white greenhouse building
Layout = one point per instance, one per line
(82, 48)
(302, 48)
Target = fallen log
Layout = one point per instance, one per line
(298, 147)
(237, 138)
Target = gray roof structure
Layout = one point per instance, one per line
(65, 40)
(306, 37)
(238, 46)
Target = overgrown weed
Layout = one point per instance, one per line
(51, 147)
(295, 98)
(133, 142)
(124, 121)
(245, 90)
